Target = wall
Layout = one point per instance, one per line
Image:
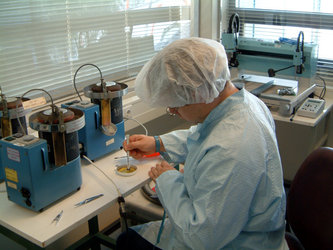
(210, 16)
(329, 99)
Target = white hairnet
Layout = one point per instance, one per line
(187, 71)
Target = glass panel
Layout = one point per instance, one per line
(43, 42)
(268, 19)
(286, 5)
(143, 4)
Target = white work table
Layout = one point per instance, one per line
(37, 227)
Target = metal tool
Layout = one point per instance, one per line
(262, 88)
(58, 217)
(88, 200)
(127, 153)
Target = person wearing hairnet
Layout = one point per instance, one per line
(230, 193)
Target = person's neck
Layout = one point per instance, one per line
(228, 90)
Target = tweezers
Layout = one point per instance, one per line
(58, 217)
(88, 200)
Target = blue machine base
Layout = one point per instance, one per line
(31, 180)
(95, 143)
(1, 175)
(2, 178)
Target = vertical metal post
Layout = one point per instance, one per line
(94, 229)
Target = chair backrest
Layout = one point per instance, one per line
(310, 201)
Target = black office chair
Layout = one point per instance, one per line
(310, 203)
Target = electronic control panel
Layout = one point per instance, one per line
(311, 108)
(21, 140)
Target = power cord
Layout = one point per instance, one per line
(233, 23)
(300, 49)
(87, 64)
(299, 52)
(18, 118)
(323, 91)
(293, 115)
(129, 118)
(233, 28)
(164, 213)
(121, 200)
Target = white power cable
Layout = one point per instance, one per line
(128, 118)
(92, 163)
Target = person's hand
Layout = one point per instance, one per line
(140, 145)
(159, 169)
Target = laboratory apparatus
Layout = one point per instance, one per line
(269, 89)
(284, 57)
(38, 171)
(104, 131)
(277, 58)
(280, 72)
(311, 108)
(12, 120)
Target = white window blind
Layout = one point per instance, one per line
(271, 19)
(43, 42)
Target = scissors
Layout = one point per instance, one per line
(58, 217)
(88, 200)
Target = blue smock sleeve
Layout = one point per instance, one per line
(175, 144)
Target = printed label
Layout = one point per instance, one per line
(11, 174)
(34, 102)
(11, 185)
(13, 154)
(109, 142)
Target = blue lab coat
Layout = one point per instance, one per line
(231, 194)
